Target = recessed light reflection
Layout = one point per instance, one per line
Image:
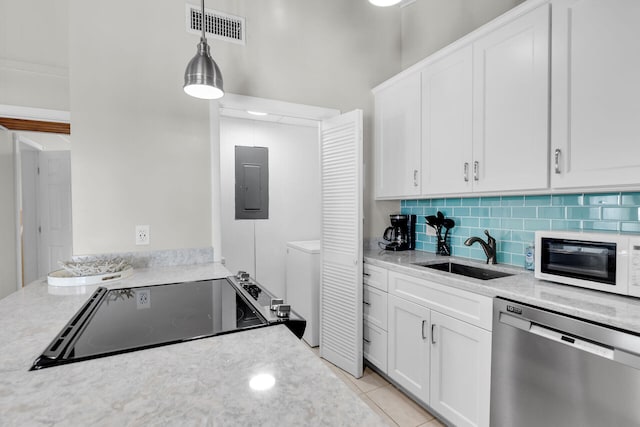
(262, 382)
(256, 113)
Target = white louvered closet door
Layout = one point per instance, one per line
(341, 242)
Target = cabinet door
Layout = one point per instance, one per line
(397, 139)
(595, 93)
(460, 371)
(447, 99)
(511, 105)
(408, 341)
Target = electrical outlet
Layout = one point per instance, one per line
(143, 298)
(431, 231)
(142, 234)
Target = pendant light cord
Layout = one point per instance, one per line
(202, 23)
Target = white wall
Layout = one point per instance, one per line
(294, 197)
(140, 152)
(34, 55)
(8, 274)
(141, 155)
(429, 25)
(140, 148)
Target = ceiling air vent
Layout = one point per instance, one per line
(218, 25)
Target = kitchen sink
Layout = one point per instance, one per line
(467, 270)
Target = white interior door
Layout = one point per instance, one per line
(341, 241)
(54, 210)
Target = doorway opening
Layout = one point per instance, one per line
(44, 180)
(290, 134)
(38, 142)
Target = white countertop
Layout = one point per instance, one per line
(601, 307)
(201, 382)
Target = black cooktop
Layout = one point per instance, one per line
(121, 320)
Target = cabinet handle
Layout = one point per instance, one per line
(433, 335)
(365, 340)
(557, 160)
(366, 303)
(466, 172)
(415, 177)
(366, 274)
(476, 170)
(424, 337)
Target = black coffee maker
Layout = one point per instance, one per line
(401, 236)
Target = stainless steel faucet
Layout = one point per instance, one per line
(489, 246)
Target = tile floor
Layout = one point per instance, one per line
(394, 407)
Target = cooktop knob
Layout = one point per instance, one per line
(283, 310)
(275, 302)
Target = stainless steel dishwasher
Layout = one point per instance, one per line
(549, 369)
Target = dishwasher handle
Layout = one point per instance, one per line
(559, 337)
(620, 351)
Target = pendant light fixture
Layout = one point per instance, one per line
(384, 3)
(202, 78)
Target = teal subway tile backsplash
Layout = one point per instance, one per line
(632, 199)
(600, 225)
(461, 212)
(632, 227)
(524, 212)
(512, 201)
(620, 214)
(513, 220)
(512, 223)
(489, 201)
(583, 213)
(555, 212)
(537, 200)
(601, 199)
(566, 200)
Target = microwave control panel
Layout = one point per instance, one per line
(634, 267)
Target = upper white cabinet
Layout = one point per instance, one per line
(511, 105)
(397, 138)
(447, 123)
(482, 106)
(595, 93)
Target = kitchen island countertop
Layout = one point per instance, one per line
(195, 383)
(608, 309)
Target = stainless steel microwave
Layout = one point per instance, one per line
(608, 262)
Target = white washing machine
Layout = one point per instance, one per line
(302, 284)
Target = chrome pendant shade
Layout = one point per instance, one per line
(202, 78)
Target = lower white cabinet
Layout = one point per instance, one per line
(374, 334)
(374, 347)
(460, 371)
(439, 347)
(408, 352)
(374, 306)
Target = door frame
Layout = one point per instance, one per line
(16, 118)
(238, 106)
